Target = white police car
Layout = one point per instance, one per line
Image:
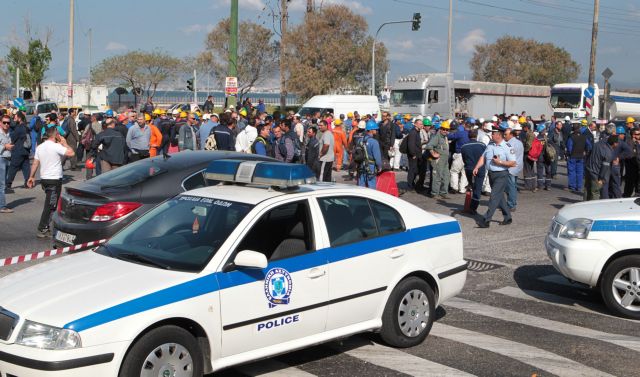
(598, 243)
(231, 273)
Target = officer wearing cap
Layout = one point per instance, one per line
(497, 159)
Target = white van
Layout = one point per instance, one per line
(341, 104)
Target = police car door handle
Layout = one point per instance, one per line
(396, 253)
(316, 273)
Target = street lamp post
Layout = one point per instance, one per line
(416, 25)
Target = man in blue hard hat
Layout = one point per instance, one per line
(371, 163)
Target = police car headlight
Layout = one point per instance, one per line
(37, 335)
(576, 228)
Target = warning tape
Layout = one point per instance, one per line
(49, 253)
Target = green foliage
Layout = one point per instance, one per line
(137, 69)
(32, 63)
(516, 60)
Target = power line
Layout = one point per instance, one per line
(494, 16)
(580, 11)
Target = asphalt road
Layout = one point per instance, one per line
(515, 317)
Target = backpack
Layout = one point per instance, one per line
(87, 138)
(65, 126)
(297, 150)
(210, 144)
(404, 145)
(536, 150)
(550, 152)
(360, 151)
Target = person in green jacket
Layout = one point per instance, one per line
(438, 148)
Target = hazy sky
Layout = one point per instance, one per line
(180, 28)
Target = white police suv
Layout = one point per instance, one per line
(598, 243)
(232, 273)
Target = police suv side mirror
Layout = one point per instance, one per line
(251, 259)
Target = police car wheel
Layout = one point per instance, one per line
(165, 351)
(408, 315)
(620, 286)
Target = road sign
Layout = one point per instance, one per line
(231, 86)
(607, 73)
(18, 102)
(589, 92)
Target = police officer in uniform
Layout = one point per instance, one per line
(497, 159)
(368, 170)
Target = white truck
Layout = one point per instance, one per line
(568, 99)
(57, 92)
(428, 93)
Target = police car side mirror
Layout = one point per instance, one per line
(251, 259)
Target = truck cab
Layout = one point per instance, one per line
(568, 100)
(423, 94)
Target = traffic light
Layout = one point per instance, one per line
(190, 85)
(415, 24)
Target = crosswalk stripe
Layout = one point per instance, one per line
(550, 298)
(558, 279)
(626, 341)
(272, 368)
(400, 361)
(533, 356)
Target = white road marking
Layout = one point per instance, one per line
(549, 298)
(538, 358)
(400, 361)
(626, 341)
(272, 368)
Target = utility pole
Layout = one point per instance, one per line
(89, 85)
(195, 87)
(283, 52)
(17, 82)
(70, 67)
(310, 6)
(592, 60)
(233, 48)
(450, 35)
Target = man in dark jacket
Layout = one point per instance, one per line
(578, 146)
(415, 159)
(110, 146)
(598, 168)
(20, 137)
(621, 152)
(471, 153)
(72, 137)
(208, 105)
(632, 175)
(224, 135)
(386, 137)
(312, 152)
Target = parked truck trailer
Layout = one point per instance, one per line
(428, 93)
(568, 99)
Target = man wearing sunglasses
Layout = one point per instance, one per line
(5, 156)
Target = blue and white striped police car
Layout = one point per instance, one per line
(598, 243)
(265, 263)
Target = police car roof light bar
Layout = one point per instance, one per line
(277, 174)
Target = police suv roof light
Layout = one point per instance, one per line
(278, 174)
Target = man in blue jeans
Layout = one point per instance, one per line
(578, 146)
(5, 155)
(518, 148)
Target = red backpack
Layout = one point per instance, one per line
(536, 150)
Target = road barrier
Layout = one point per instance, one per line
(49, 253)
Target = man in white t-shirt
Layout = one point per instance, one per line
(48, 157)
(325, 144)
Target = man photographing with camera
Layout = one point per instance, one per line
(48, 157)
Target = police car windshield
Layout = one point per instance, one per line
(183, 233)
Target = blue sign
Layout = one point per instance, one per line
(589, 92)
(18, 102)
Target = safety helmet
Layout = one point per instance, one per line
(567, 118)
(397, 117)
(505, 125)
(407, 116)
(362, 125)
(540, 127)
(620, 130)
(157, 111)
(630, 120)
(583, 122)
(109, 113)
(349, 115)
(494, 119)
(183, 114)
(445, 125)
(522, 120)
(471, 120)
(337, 122)
(371, 125)
(243, 112)
(175, 112)
(481, 120)
(147, 117)
(426, 122)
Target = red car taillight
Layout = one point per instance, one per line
(112, 211)
(59, 209)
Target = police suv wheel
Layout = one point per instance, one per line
(165, 351)
(620, 286)
(408, 315)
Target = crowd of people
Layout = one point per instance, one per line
(442, 157)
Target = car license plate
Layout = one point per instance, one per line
(65, 237)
